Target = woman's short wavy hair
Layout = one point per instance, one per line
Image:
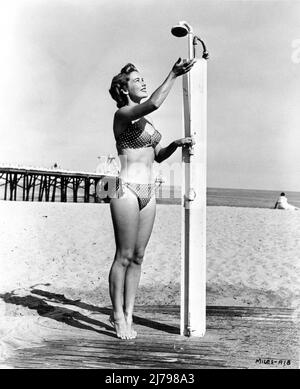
(119, 82)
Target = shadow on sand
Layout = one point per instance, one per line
(60, 314)
(72, 317)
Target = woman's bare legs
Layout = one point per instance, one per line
(125, 216)
(133, 272)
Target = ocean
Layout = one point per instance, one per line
(215, 196)
(250, 198)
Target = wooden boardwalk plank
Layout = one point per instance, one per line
(237, 337)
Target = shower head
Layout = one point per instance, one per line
(181, 29)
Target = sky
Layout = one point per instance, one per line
(58, 59)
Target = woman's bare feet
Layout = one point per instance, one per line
(120, 324)
(128, 321)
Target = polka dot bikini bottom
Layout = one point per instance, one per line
(143, 192)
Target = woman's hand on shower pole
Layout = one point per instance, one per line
(184, 142)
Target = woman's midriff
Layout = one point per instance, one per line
(137, 165)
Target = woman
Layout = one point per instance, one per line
(282, 203)
(133, 208)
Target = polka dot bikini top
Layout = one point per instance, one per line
(135, 137)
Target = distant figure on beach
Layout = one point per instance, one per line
(282, 203)
(55, 166)
(133, 203)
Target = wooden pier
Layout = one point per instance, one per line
(53, 185)
(77, 335)
(29, 184)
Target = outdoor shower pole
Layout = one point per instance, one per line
(193, 232)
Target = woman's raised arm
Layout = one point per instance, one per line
(134, 112)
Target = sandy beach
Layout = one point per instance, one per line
(67, 249)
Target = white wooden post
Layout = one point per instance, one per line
(193, 262)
